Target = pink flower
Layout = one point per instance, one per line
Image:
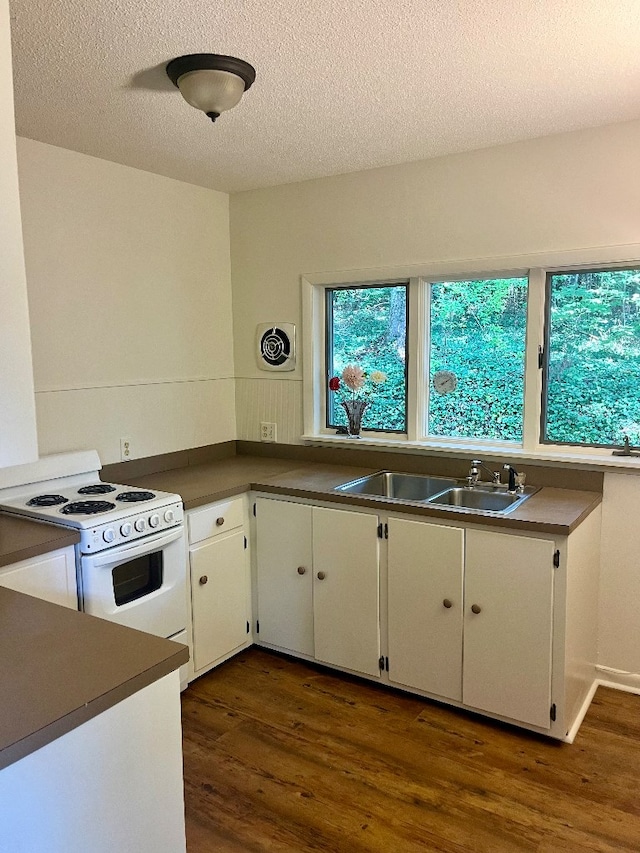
(334, 383)
(353, 377)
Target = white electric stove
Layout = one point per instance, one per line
(131, 558)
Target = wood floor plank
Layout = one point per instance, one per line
(284, 756)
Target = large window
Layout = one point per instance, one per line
(520, 357)
(477, 334)
(592, 377)
(367, 328)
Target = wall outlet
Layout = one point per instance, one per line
(267, 432)
(125, 449)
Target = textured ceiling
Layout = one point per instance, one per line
(342, 85)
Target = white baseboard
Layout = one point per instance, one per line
(629, 681)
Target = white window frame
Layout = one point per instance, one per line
(419, 277)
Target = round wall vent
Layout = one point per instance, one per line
(276, 346)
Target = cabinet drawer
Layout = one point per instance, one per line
(214, 519)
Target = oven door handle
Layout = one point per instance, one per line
(146, 546)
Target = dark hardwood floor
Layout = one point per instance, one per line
(284, 756)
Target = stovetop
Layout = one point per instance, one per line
(88, 504)
(66, 489)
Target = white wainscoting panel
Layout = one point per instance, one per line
(156, 418)
(277, 401)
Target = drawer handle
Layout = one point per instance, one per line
(321, 576)
(475, 608)
(447, 603)
(203, 580)
(301, 570)
(219, 521)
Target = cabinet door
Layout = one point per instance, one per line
(426, 606)
(507, 643)
(346, 601)
(218, 597)
(285, 570)
(51, 577)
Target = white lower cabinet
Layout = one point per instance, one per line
(51, 577)
(285, 575)
(318, 583)
(472, 620)
(346, 597)
(425, 606)
(484, 618)
(219, 583)
(508, 625)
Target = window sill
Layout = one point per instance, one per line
(553, 457)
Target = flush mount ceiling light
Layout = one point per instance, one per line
(211, 82)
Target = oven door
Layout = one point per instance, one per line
(142, 585)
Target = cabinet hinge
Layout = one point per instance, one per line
(540, 357)
(245, 543)
(248, 627)
(381, 662)
(257, 626)
(556, 559)
(552, 712)
(254, 509)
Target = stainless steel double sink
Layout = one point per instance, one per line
(437, 491)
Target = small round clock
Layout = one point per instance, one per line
(444, 381)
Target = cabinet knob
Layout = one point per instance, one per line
(447, 603)
(301, 570)
(321, 576)
(475, 608)
(220, 521)
(203, 580)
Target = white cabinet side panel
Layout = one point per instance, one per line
(112, 784)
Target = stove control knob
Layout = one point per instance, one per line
(140, 525)
(109, 534)
(126, 529)
(169, 516)
(154, 521)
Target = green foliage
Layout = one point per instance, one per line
(369, 329)
(478, 330)
(478, 333)
(593, 384)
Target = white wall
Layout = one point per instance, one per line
(572, 191)
(17, 408)
(130, 297)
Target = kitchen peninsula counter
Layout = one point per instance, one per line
(60, 668)
(552, 510)
(22, 538)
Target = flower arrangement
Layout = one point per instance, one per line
(354, 378)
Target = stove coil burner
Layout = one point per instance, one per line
(134, 497)
(97, 489)
(87, 507)
(47, 500)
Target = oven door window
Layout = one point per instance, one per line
(136, 578)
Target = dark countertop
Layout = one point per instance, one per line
(22, 538)
(60, 668)
(550, 510)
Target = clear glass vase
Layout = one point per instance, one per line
(354, 410)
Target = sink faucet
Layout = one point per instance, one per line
(474, 473)
(514, 485)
